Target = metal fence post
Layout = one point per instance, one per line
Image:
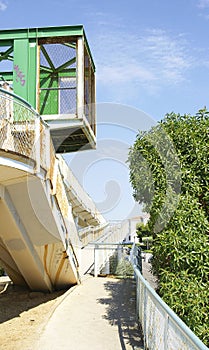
(96, 260)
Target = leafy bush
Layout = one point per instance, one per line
(169, 172)
(189, 298)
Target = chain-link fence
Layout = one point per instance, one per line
(58, 78)
(89, 90)
(22, 132)
(17, 125)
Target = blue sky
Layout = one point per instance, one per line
(152, 55)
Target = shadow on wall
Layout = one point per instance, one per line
(121, 311)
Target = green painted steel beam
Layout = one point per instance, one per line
(65, 65)
(73, 46)
(7, 76)
(10, 58)
(44, 79)
(47, 57)
(25, 69)
(66, 73)
(46, 69)
(4, 43)
(43, 32)
(4, 55)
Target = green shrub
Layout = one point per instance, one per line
(169, 172)
(188, 296)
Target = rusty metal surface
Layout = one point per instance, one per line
(17, 126)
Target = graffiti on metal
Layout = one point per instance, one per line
(20, 76)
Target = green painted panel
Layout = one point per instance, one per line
(20, 68)
(25, 70)
(48, 97)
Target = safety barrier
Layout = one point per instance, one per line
(109, 241)
(23, 132)
(162, 328)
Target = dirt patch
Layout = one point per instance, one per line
(23, 315)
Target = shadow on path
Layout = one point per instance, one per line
(121, 311)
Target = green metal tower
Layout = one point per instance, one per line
(52, 68)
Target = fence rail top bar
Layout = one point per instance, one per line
(20, 99)
(115, 244)
(180, 324)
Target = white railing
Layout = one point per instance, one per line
(108, 242)
(76, 193)
(162, 328)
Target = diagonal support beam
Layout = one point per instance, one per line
(46, 69)
(4, 55)
(47, 57)
(66, 64)
(71, 45)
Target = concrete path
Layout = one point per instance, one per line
(99, 314)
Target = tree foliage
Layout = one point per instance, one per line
(142, 230)
(169, 173)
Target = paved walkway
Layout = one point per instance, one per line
(99, 314)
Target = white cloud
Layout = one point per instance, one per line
(150, 60)
(120, 73)
(202, 4)
(3, 6)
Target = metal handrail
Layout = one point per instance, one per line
(20, 99)
(183, 329)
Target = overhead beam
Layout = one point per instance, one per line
(43, 32)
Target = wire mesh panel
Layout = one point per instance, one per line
(58, 78)
(17, 121)
(67, 95)
(89, 90)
